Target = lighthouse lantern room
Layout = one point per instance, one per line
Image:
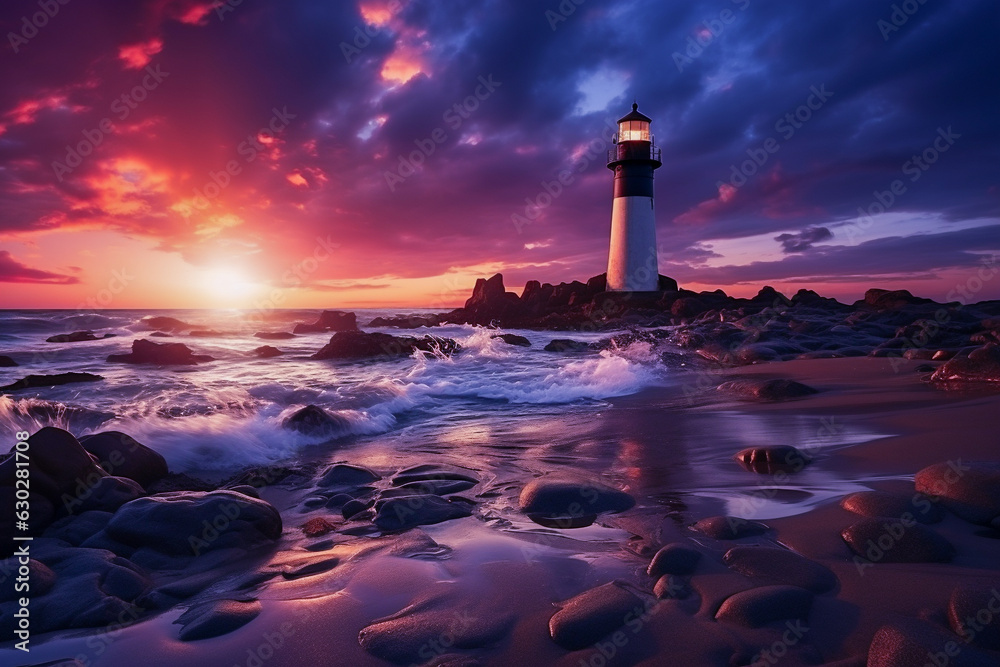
(632, 263)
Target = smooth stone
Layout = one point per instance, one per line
(430, 472)
(673, 559)
(107, 494)
(767, 390)
(267, 352)
(980, 365)
(361, 345)
(439, 487)
(730, 527)
(397, 514)
(77, 529)
(338, 501)
(565, 345)
(766, 604)
(970, 489)
(216, 618)
(313, 420)
(245, 489)
(589, 616)
(353, 507)
(77, 337)
(6, 362)
(877, 504)
(317, 527)
(40, 577)
(770, 565)
(566, 495)
(175, 523)
(123, 456)
(343, 474)
(33, 381)
(513, 339)
(671, 587)
(909, 642)
(162, 354)
(309, 566)
(910, 544)
(59, 465)
(770, 460)
(968, 608)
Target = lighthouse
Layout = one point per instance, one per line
(632, 263)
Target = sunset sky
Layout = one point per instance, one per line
(193, 153)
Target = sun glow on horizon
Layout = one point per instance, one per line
(227, 285)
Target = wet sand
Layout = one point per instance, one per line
(481, 590)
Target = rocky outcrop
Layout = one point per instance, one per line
(162, 354)
(330, 320)
(33, 381)
(361, 345)
(978, 365)
(122, 455)
(77, 337)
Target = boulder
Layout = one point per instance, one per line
(40, 577)
(361, 345)
(970, 489)
(881, 299)
(77, 337)
(122, 455)
(513, 339)
(315, 421)
(106, 494)
(970, 615)
(593, 614)
(893, 505)
(216, 618)
(769, 565)
(398, 514)
(767, 604)
(771, 460)
(729, 527)
(32, 381)
(980, 365)
(490, 302)
(344, 475)
(567, 496)
(186, 523)
(6, 362)
(767, 390)
(59, 466)
(667, 284)
(565, 345)
(274, 335)
(427, 472)
(893, 541)
(163, 354)
(165, 323)
(906, 642)
(317, 527)
(671, 587)
(673, 559)
(267, 352)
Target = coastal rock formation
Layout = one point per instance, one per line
(33, 381)
(970, 489)
(124, 456)
(60, 468)
(165, 323)
(565, 345)
(190, 523)
(771, 460)
(591, 615)
(513, 339)
(431, 472)
(329, 320)
(343, 475)
(979, 365)
(767, 390)
(564, 496)
(313, 420)
(6, 362)
(77, 337)
(361, 345)
(164, 354)
(267, 352)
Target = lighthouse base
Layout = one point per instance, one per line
(632, 265)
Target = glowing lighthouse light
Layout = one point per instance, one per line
(632, 265)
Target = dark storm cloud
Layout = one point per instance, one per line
(804, 240)
(889, 97)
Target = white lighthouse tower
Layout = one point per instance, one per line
(632, 263)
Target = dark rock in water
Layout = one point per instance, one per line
(40, 577)
(970, 489)
(317, 527)
(188, 523)
(164, 354)
(397, 514)
(122, 455)
(77, 529)
(562, 495)
(267, 351)
(306, 567)
(877, 504)
(908, 642)
(409, 636)
(344, 475)
(769, 565)
(106, 494)
(513, 339)
(274, 335)
(361, 345)
(179, 482)
(216, 618)
(330, 320)
(205, 333)
(312, 420)
(165, 323)
(160, 334)
(490, 301)
(924, 368)
(730, 527)
(438, 487)
(6, 362)
(966, 615)
(770, 460)
(591, 615)
(671, 587)
(77, 337)
(673, 559)
(767, 390)
(352, 508)
(980, 365)
(428, 472)
(767, 604)
(892, 541)
(565, 345)
(32, 381)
